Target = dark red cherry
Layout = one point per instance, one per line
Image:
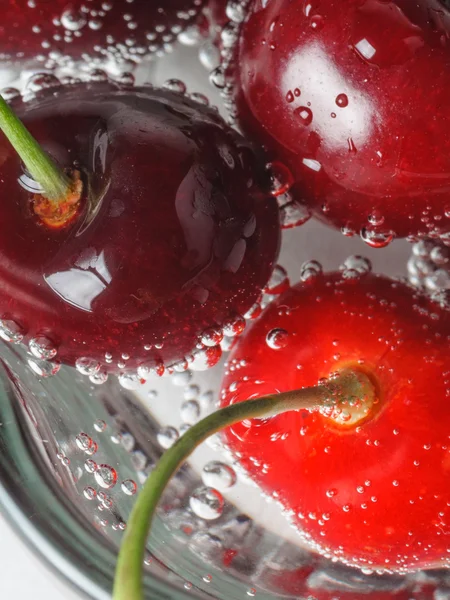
(373, 496)
(176, 236)
(54, 32)
(353, 97)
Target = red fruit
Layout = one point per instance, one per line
(374, 496)
(54, 32)
(177, 235)
(353, 97)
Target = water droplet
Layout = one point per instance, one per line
(129, 487)
(207, 503)
(218, 475)
(43, 348)
(10, 331)
(304, 114)
(342, 100)
(105, 476)
(167, 436)
(277, 339)
(87, 366)
(190, 411)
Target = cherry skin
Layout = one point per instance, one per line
(352, 97)
(177, 235)
(58, 31)
(374, 496)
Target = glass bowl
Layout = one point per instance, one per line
(74, 456)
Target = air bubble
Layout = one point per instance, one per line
(73, 20)
(105, 476)
(10, 331)
(234, 326)
(89, 493)
(218, 475)
(129, 487)
(212, 336)
(190, 411)
(84, 442)
(130, 381)
(43, 368)
(87, 366)
(293, 214)
(342, 100)
(356, 265)
(278, 282)
(40, 81)
(375, 238)
(281, 179)
(277, 339)
(207, 503)
(90, 465)
(43, 348)
(99, 378)
(205, 358)
(304, 114)
(310, 270)
(99, 425)
(175, 85)
(167, 436)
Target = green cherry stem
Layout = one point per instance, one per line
(351, 390)
(55, 183)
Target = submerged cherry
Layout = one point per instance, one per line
(57, 31)
(175, 236)
(374, 495)
(352, 96)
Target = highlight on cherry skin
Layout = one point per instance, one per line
(117, 34)
(172, 239)
(360, 416)
(358, 116)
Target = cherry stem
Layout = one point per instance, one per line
(351, 390)
(55, 183)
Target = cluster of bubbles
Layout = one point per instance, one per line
(429, 269)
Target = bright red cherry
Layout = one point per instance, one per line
(176, 235)
(375, 495)
(353, 97)
(55, 32)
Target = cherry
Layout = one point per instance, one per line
(175, 239)
(373, 495)
(352, 97)
(56, 32)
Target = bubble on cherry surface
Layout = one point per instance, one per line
(293, 214)
(105, 476)
(209, 55)
(38, 82)
(43, 348)
(207, 503)
(281, 178)
(167, 436)
(355, 266)
(212, 336)
(190, 411)
(205, 358)
(217, 78)
(181, 378)
(234, 326)
(87, 366)
(128, 487)
(44, 368)
(175, 85)
(130, 381)
(253, 312)
(99, 378)
(10, 331)
(278, 282)
(73, 20)
(310, 270)
(218, 475)
(277, 338)
(376, 238)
